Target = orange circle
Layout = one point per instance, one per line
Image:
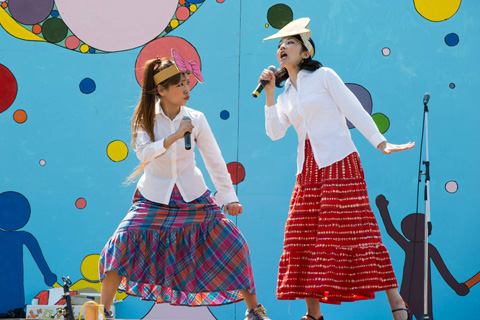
(181, 2)
(37, 29)
(20, 116)
(4, 5)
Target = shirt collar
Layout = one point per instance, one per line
(159, 111)
(288, 83)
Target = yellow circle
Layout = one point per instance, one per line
(193, 8)
(266, 25)
(84, 48)
(117, 150)
(174, 23)
(89, 267)
(437, 10)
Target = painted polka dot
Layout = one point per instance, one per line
(452, 39)
(267, 25)
(451, 85)
(4, 5)
(117, 151)
(87, 86)
(37, 29)
(363, 95)
(437, 10)
(42, 162)
(72, 43)
(54, 13)
(182, 13)
(181, 2)
(174, 23)
(81, 203)
(30, 12)
(224, 114)
(220, 1)
(382, 122)
(84, 48)
(279, 15)
(54, 30)
(9, 88)
(386, 51)
(92, 50)
(20, 116)
(451, 186)
(237, 172)
(193, 8)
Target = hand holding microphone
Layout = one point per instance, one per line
(264, 81)
(186, 127)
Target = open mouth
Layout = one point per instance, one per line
(283, 55)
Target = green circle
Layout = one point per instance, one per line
(54, 30)
(279, 15)
(382, 122)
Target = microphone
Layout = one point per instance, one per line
(262, 83)
(426, 97)
(187, 136)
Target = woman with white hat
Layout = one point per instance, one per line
(333, 251)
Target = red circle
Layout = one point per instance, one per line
(237, 172)
(9, 88)
(81, 203)
(37, 29)
(162, 47)
(182, 13)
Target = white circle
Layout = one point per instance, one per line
(451, 186)
(42, 162)
(386, 51)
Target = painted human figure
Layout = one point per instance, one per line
(413, 245)
(14, 215)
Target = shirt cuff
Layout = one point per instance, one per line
(271, 112)
(158, 147)
(376, 139)
(225, 198)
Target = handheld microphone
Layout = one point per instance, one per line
(426, 97)
(187, 136)
(262, 83)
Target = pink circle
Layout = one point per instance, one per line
(220, 1)
(451, 186)
(81, 203)
(116, 25)
(162, 48)
(386, 51)
(42, 162)
(72, 42)
(182, 13)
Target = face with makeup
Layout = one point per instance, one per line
(176, 94)
(291, 52)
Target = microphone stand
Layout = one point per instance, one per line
(428, 224)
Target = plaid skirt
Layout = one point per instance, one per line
(181, 253)
(333, 250)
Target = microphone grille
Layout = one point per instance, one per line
(273, 69)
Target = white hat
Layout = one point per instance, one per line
(296, 27)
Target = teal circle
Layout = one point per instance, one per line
(54, 30)
(279, 15)
(382, 122)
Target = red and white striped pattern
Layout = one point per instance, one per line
(332, 247)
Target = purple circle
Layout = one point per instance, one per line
(30, 11)
(363, 96)
(452, 85)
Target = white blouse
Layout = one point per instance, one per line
(318, 107)
(175, 165)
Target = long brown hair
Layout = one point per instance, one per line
(144, 114)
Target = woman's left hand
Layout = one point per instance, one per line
(388, 148)
(233, 208)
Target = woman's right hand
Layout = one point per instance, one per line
(270, 77)
(185, 126)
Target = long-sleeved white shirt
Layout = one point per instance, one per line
(318, 107)
(175, 165)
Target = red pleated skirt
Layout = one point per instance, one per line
(333, 250)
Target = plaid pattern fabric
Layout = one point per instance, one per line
(332, 247)
(182, 254)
